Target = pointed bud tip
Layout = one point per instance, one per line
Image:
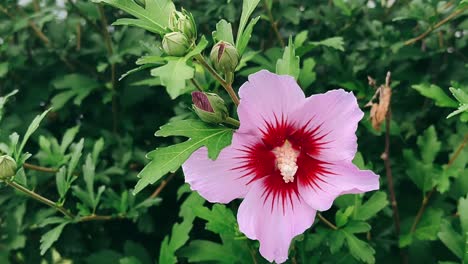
(200, 100)
(7, 167)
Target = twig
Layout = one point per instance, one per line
(426, 198)
(108, 42)
(93, 217)
(274, 24)
(40, 198)
(161, 186)
(387, 162)
(328, 223)
(39, 168)
(84, 16)
(196, 84)
(220, 79)
(436, 26)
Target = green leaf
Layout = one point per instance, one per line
(75, 157)
(97, 148)
(342, 217)
(357, 227)
(463, 211)
(198, 49)
(360, 249)
(289, 64)
(169, 159)
(462, 98)
(333, 42)
(435, 93)
(154, 17)
(336, 240)
(429, 225)
(4, 100)
(451, 239)
(371, 207)
(207, 251)
(248, 6)
(307, 76)
(220, 219)
(174, 75)
(429, 144)
(75, 85)
(242, 43)
(31, 129)
(68, 138)
(49, 238)
(343, 6)
(180, 231)
(88, 176)
(60, 180)
(223, 32)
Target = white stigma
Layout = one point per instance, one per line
(286, 158)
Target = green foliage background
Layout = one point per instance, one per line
(110, 87)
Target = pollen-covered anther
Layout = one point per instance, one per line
(286, 158)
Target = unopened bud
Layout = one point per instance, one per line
(175, 44)
(224, 57)
(7, 167)
(209, 107)
(183, 22)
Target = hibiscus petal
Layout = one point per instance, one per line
(340, 179)
(267, 97)
(274, 226)
(216, 180)
(334, 118)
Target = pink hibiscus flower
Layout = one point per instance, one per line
(291, 156)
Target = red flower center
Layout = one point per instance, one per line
(285, 159)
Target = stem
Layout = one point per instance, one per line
(232, 121)
(40, 198)
(39, 168)
(220, 79)
(108, 42)
(436, 26)
(388, 170)
(97, 218)
(426, 198)
(328, 223)
(274, 24)
(161, 186)
(196, 84)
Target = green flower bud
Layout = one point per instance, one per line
(224, 57)
(209, 107)
(7, 167)
(175, 44)
(183, 22)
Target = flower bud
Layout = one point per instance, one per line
(175, 44)
(183, 22)
(7, 167)
(224, 57)
(209, 107)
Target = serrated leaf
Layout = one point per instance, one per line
(220, 219)
(435, 93)
(154, 17)
(333, 42)
(371, 207)
(68, 138)
(342, 216)
(429, 225)
(307, 76)
(207, 251)
(248, 6)
(429, 145)
(463, 211)
(451, 239)
(180, 231)
(289, 64)
(336, 240)
(75, 157)
(31, 129)
(223, 32)
(49, 238)
(60, 180)
(169, 159)
(360, 249)
(198, 49)
(174, 75)
(357, 227)
(241, 44)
